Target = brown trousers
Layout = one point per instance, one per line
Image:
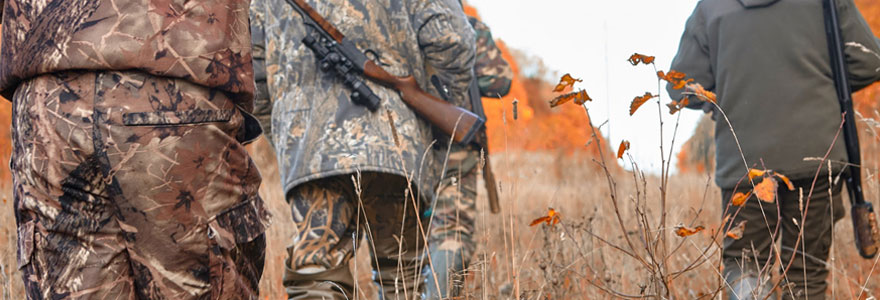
(753, 254)
(332, 214)
(130, 186)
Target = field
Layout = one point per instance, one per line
(518, 261)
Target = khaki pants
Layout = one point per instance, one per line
(331, 215)
(130, 186)
(749, 258)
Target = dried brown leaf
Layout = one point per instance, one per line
(740, 198)
(566, 81)
(579, 97)
(638, 101)
(737, 231)
(636, 58)
(766, 190)
(624, 145)
(683, 231)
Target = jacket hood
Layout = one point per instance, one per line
(756, 3)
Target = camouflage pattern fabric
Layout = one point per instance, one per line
(331, 215)
(452, 220)
(494, 74)
(316, 129)
(206, 42)
(131, 186)
(451, 234)
(745, 258)
(262, 99)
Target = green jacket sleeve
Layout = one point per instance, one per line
(447, 42)
(262, 99)
(693, 57)
(862, 48)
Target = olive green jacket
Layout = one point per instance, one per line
(768, 63)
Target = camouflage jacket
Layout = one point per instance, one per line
(493, 72)
(206, 42)
(316, 129)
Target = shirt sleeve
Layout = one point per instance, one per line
(861, 46)
(447, 42)
(693, 58)
(494, 74)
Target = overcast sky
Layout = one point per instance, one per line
(592, 39)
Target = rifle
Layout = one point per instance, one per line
(481, 141)
(339, 54)
(867, 236)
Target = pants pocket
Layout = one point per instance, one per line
(182, 117)
(237, 250)
(25, 244)
(239, 224)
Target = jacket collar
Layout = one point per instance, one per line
(756, 3)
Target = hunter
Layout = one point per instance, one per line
(452, 216)
(768, 62)
(349, 172)
(130, 176)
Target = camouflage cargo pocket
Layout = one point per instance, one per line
(25, 244)
(238, 250)
(147, 100)
(239, 224)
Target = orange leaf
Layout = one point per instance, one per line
(739, 199)
(638, 101)
(672, 76)
(565, 81)
(755, 173)
(676, 106)
(579, 97)
(540, 220)
(624, 145)
(676, 78)
(697, 89)
(737, 231)
(766, 190)
(785, 180)
(636, 58)
(552, 218)
(683, 231)
(681, 83)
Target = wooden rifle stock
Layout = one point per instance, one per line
(455, 121)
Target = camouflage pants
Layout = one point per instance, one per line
(129, 186)
(451, 232)
(745, 258)
(331, 214)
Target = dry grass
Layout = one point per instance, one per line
(568, 261)
(516, 261)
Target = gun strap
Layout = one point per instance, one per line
(476, 98)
